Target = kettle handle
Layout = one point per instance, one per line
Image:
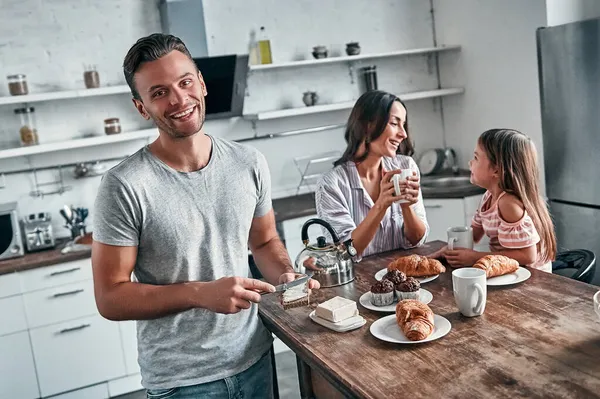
(323, 223)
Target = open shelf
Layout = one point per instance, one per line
(353, 58)
(316, 109)
(77, 143)
(62, 95)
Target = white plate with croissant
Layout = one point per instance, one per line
(502, 270)
(387, 329)
(379, 275)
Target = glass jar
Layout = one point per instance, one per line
(91, 77)
(28, 129)
(112, 126)
(370, 75)
(17, 85)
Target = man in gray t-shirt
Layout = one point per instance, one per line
(180, 214)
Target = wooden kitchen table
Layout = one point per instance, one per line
(536, 339)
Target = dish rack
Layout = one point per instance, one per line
(312, 167)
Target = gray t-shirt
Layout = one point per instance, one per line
(189, 227)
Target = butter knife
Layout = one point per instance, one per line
(298, 281)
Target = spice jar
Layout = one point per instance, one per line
(17, 85)
(28, 130)
(91, 77)
(112, 126)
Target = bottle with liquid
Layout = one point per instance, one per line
(253, 52)
(264, 47)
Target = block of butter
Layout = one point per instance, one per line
(337, 309)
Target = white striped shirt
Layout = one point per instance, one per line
(342, 201)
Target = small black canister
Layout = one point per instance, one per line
(370, 76)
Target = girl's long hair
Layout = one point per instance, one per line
(367, 121)
(514, 154)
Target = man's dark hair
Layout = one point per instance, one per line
(150, 48)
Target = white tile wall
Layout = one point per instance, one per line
(51, 40)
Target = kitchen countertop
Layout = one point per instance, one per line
(537, 339)
(42, 258)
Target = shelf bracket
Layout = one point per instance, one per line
(3, 184)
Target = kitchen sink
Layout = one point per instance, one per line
(445, 182)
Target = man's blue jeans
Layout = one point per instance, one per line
(256, 382)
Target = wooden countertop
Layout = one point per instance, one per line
(537, 339)
(42, 258)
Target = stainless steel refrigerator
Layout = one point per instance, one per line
(569, 73)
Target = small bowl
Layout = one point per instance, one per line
(352, 48)
(319, 52)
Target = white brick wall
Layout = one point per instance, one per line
(51, 40)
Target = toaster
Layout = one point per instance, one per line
(37, 231)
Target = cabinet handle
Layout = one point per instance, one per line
(64, 271)
(81, 327)
(57, 295)
(433, 206)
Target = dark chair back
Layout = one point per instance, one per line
(581, 261)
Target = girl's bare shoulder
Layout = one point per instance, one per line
(510, 208)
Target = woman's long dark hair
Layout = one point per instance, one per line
(371, 109)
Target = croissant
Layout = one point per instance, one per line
(415, 319)
(417, 266)
(497, 265)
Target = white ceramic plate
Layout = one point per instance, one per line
(379, 275)
(340, 326)
(365, 301)
(387, 329)
(519, 276)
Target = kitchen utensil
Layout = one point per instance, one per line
(331, 263)
(431, 161)
(298, 281)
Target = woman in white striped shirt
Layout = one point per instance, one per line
(357, 196)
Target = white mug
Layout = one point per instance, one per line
(597, 303)
(470, 290)
(460, 237)
(396, 179)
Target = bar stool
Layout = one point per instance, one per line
(582, 261)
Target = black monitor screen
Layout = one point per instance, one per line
(218, 73)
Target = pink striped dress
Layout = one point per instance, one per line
(504, 235)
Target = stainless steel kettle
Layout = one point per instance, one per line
(331, 263)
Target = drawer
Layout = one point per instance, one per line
(13, 315)
(129, 341)
(9, 285)
(77, 354)
(99, 391)
(17, 371)
(53, 305)
(442, 214)
(52, 276)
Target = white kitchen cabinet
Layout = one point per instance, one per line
(53, 276)
(76, 354)
(9, 285)
(128, 332)
(292, 230)
(17, 371)
(57, 304)
(452, 212)
(12, 315)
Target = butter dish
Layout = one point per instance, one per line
(348, 324)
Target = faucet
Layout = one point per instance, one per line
(450, 160)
